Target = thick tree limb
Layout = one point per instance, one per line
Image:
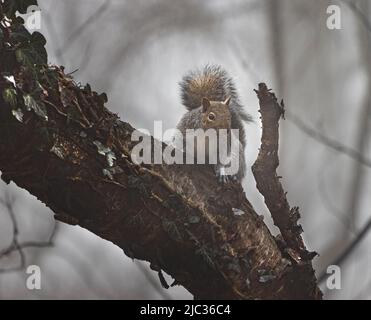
(177, 217)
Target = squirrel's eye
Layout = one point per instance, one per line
(211, 116)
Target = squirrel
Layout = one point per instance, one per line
(211, 99)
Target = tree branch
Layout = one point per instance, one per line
(264, 170)
(348, 250)
(16, 245)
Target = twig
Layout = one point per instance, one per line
(323, 139)
(359, 13)
(75, 35)
(363, 128)
(346, 253)
(8, 204)
(326, 199)
(15, 244)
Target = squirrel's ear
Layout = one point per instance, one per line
(227, 101)
(205, 104)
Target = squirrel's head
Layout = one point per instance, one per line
(216, 114)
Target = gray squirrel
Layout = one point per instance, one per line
(211, 99)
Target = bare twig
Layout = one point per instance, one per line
(15, 244)
(363, 120)
(8, 204)
(327, 141)
(348, 251)
(328, 204)
(80, 29)
(363, 18)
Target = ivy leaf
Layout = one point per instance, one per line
(18, 20)
(20, 35)
(1, 42)
(31, 47)
(87, 88)
(21, 56)
(18, 114)
(10, 96)
(103, 98)
(7, 61)
(38, 39)
(38, 107)
(72, 114)
(12, 6)
(31, 56)
(67, 96)
(22, 5)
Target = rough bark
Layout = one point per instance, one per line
(267, 181)
(177, 217)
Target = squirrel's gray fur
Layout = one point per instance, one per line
(213, 83)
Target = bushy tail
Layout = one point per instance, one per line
(214, 83)
(211, 82)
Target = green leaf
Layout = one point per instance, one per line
(103, 98)
(31, 47)
(24, 4)
(18, 114)
(18, 20)
(12, 6)
(38, 39)
(20, 35)
(37, 48)
(88, 88)
(10, 96)
(72, 114)
(21, 57)
(7, 61)
(30, 57)
(38, 107)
